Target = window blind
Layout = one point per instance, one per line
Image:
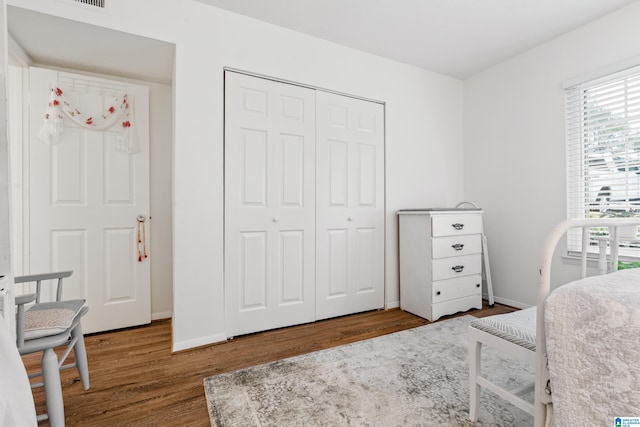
(603, 151)
(96, 3)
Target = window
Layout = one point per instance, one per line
(603, 151)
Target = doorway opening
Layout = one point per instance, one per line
(52, 43)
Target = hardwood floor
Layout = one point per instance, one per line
(136, 380)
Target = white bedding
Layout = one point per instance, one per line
(593, 345)
(16, 402)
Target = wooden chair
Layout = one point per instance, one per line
(44, 326)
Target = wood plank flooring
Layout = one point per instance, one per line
(137, 381)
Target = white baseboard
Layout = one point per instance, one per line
(511, 303)
(393, 304)
(161, 315)
(198, 342)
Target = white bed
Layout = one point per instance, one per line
(593, 347)
(581, 329)
(16, 401)
(584, 339)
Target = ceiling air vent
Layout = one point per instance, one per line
(95, 3)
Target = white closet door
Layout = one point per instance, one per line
(269, 204)
(350, 205)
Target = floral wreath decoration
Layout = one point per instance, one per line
(119, 111)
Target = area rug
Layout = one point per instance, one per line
(416, 377)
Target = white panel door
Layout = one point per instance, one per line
(269, 204)
(350, 205)
(85, 196)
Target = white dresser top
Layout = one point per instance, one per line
(438, 210)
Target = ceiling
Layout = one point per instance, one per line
(453, 37)
(53, 41)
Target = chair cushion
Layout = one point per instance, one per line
(518, 327)
(50, 318)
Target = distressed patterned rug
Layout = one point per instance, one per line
(416, 377)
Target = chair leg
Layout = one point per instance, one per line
(475, 352)
(52, 388)
(80, 354)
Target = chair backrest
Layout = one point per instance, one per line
(22, 300)
(38, 278)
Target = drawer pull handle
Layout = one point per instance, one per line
(477, 285)
(458, 226)
(458, 268)
(458, 246)
(438, 293)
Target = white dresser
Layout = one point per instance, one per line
(440, 261)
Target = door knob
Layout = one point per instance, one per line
(275, 220)
(349, 219)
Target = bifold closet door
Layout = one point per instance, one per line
(349, 205)
(269, 204)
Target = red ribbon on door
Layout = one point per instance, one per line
(142, 239)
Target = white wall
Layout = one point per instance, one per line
(5, 227)
(514, 146)
(423, 131)
(161, 197)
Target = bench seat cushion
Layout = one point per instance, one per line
(518, 327)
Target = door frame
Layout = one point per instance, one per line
(305, 85)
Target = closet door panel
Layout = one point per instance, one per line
(253, 265)
(349, 197)
(366, 191)
(292, 180)
(338, 277)
(366, 259)
(291, 268)
(254, 152)
(338, 173)
(269, 204)
(294, 193)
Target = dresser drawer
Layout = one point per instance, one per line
(456, 246)
(452, 225)
(445, 290)
(448, 268)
